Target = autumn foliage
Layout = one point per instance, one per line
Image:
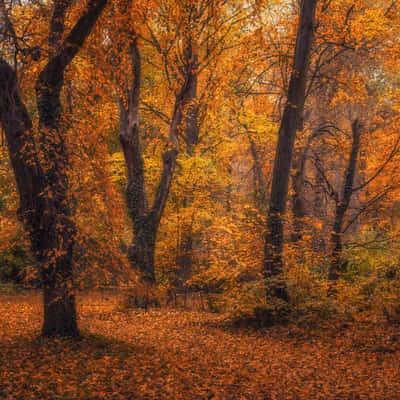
(234, 159)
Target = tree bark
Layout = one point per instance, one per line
(343, 204)
(273, 263)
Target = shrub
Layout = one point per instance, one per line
(13, 264)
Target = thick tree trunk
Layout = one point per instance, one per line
(142, 250)
(59, 313)
(58, 234)
(146, 224)
(343, 203)
(336, 245)
(56, 257)
(37, 211)
(185, 257)
(41, 173)
(58, 237)
(273, 263)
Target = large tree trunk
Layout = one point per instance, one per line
(142, 251)
(41, 173)
(184, 256)
(58, 236)
(273, 263)
(343, 203)
(58, 233)
(47, 229)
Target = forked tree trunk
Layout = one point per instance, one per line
(273, 263)
(41, 171)
(142, 250)
(45, 217)
(146, 219)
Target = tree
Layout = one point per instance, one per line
(182, 44)
(40, 168)
(343, 202)
(291, 119)
(146, 220)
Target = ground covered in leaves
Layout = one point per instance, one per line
(171, 354)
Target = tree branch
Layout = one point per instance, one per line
(53, 72)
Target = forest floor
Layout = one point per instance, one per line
(174, 354)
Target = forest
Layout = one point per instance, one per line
(199, 199)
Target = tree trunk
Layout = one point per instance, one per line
(59, 313)
(145, 219)
(37, 211)
(41, 174)
(58, 233)
(343, 203)
(298, 204)
(190, 109)
(142, 250)
(273, 263)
